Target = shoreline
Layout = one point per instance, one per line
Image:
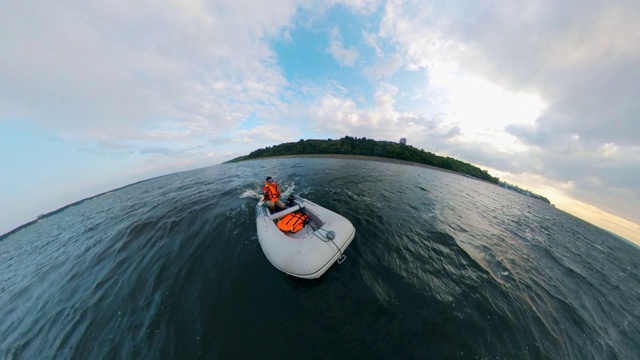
(371, 158)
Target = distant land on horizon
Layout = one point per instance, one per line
(383, 149)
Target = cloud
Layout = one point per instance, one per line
(271, 134)
(384, 67)
(455, 131)
(360, 6)
(580, 59)
(340, 115)
(371, 39)
(344, 56)
(103, 70)
(575, 67)
(536, 87)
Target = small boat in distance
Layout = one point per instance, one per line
(304, 239)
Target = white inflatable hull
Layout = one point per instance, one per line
(310, 252)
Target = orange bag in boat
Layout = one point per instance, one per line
(292, 222)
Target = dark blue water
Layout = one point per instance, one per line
(441, 267)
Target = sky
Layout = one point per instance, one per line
(95, 95)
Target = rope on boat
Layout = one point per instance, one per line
(329, 235)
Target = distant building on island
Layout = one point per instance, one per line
(403, 141)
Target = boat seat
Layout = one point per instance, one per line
(284, 212)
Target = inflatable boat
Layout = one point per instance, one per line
(304, 239)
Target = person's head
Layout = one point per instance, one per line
(269, 180)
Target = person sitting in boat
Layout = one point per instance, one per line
(271, 193)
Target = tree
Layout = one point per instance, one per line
(369, 147)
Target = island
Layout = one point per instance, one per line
(380, 149)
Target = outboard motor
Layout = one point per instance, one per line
(290, 200)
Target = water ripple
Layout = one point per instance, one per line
(441, 267)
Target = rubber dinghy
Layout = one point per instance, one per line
(304, 239)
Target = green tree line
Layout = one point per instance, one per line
(368, 147)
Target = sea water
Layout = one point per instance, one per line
(442, 266)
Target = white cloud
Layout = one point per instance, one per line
(483, 110)
(103, 70)
(479, 108)
(359, 6)
(371, 39)
(552, 85)
(581, 60)
(342, 116)
(561, 80)
(344, 56)
(384, 67)
(268, 134)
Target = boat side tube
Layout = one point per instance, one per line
(282, 213)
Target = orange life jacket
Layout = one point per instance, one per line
(293, 222)
(272, 192)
